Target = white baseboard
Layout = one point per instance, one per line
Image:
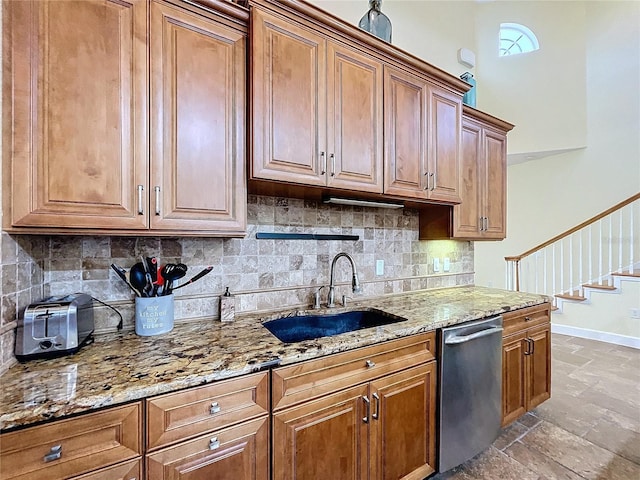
(614, 338)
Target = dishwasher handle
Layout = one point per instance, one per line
(455, 340)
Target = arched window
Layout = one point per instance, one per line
(516, 39)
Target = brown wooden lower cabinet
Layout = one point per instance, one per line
(235, 453)
(74, 446)
(379, 430)
(526, 364)
(124, 471)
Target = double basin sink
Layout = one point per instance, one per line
(307, 327)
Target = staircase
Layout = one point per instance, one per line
(599, 256)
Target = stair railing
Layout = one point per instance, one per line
(587, 254)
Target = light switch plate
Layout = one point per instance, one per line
(436, 264)
(446, 265)
(379, 267)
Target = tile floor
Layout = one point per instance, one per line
(589, 429)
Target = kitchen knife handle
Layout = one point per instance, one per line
(140, 200)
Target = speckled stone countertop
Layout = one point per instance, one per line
(118, 368)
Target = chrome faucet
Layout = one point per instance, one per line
(355, 284)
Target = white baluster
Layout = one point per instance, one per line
(553, 269)
(571, 265)
(562, 265)
(620, 242)
(610, 270)
(544, 271)
(580, 278)
(631, 259)
(535, 272)
(590, 253)
(600, 279)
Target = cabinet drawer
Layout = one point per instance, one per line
(238, 452)
(85, 443)
(123, 471)
(181, 415)
(307, 380)
(525, 318)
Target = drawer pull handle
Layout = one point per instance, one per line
(367, 406)
(370, 364)
(376, 414)
(214, 443)
(54, 454)
(215, 408)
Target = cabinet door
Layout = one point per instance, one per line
(445, 118)
(197, 120)
(354, 120)
(514, 403)
(236, 453)
(495, 158)
(288, 86)
(539, 366)
(326, 438)
(403, 422)
(466, 215)
(405, 105)
(78, 144)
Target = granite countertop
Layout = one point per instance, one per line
(122, 367)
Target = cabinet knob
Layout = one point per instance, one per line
(527, 319)
(370, 364)
(54, 454)
(215, 408)
(214, 443)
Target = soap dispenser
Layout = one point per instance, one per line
(227, 306)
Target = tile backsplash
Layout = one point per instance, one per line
(263, 274)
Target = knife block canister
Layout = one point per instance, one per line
(154, 315)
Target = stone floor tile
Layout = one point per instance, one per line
(610, 400)
(529, 420)
(509, 435)
(539, 463)
(579, 455)
(492, 464)
(616, 439)
(561, 409)
(570, 358)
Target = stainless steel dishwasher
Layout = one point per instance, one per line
(470, 390)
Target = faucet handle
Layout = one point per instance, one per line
(344, 300)
(316, 298)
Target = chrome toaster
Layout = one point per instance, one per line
(55, 326)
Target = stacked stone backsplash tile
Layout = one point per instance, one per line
(263, 274)
(22, 283)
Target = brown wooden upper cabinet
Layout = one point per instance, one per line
(126, 117)
(483, 178)
(316, 108)
(422, 138)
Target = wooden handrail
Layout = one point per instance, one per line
(571, 231)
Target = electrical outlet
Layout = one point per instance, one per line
(446, 264)
(379, 267)
(436, 264)
(635, 313)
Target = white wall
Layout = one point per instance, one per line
(430, 30)
(543, 92)
(548, 196)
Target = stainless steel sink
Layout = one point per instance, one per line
(308, 327)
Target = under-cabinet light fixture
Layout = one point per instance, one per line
(361, 203)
